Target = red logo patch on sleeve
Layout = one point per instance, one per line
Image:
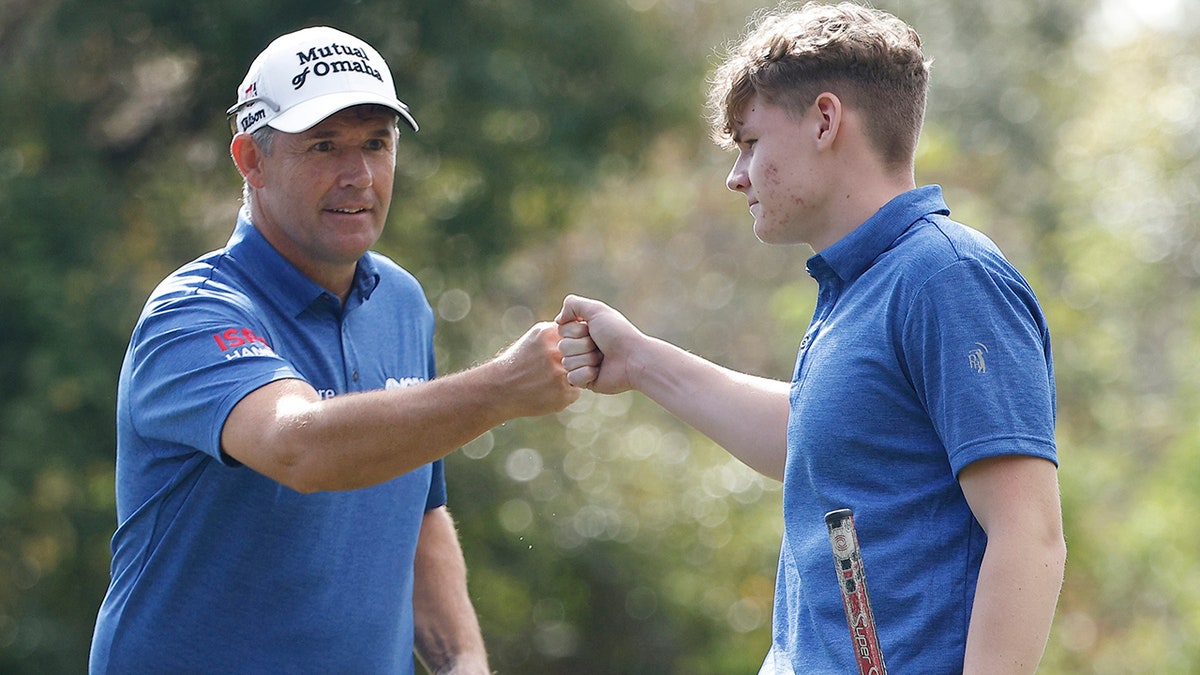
(238, 342)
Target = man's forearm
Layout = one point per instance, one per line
(287, 432)
(446, 631)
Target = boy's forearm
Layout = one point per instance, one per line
(1015, 601)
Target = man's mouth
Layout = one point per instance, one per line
(348, 211)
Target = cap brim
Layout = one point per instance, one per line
(308, 114)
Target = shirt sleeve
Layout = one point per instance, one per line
(192, 360)
(437, 483)
(437, 486)
(978, 350)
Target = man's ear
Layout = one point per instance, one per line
(249, 159)
(829, 109)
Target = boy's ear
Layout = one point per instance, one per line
(829, 108)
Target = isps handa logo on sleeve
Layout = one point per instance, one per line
(237, 343)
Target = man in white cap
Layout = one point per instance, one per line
(280, 489)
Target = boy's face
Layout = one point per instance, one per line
(779, 170)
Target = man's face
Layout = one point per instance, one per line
(777, 169)
(322, 196)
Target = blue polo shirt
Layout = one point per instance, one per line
(927, 351)
(217, 568)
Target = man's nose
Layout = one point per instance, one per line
(356, 171)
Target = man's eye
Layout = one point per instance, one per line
(323, 146)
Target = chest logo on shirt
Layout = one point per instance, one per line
(976, 360)
(236, 343)
(402, 383)
(390, 383)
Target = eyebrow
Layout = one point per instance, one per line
(327, 133)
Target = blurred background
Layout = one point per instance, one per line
(563, 149)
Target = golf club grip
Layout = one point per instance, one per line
(852, 580)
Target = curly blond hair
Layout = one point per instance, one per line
(868, 58)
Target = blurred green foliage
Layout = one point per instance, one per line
(562, 150)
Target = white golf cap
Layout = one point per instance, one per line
(303, 77)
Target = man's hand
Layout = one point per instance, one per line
(533, 374)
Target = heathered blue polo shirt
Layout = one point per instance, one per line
(219, 569)
(927, 351)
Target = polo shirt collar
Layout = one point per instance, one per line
(853, 254)
(282, 280)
